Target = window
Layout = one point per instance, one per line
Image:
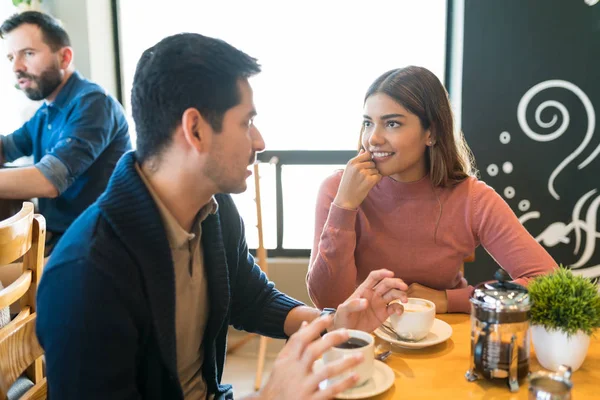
(299, 209)
(16, 107)
(318, 59)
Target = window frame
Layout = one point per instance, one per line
(296, 157)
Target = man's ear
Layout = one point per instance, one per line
(65, 57)
(196, 130)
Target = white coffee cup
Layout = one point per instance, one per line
(416, 320)
(364, 370)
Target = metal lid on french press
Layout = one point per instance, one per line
(502, 295)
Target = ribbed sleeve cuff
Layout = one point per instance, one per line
(276, 313)
(458, 300)
(342, 218)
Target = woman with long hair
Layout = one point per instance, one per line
(410, 202)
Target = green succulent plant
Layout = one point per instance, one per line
(565, 302)
(17, 2)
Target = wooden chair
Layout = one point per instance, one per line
(261, 255)
(261, 260)
(22, 235)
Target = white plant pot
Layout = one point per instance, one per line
(553, 348)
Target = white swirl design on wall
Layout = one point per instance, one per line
(589, 108)
(524, 205)
(492, 170)
(559, 232)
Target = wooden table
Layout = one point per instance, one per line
(438, 372)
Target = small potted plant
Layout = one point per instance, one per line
(26, 5)
(564, 314)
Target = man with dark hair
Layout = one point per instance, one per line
(137, 298)
(77, 135)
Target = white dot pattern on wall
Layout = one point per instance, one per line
(509, 192)
(492, 170)
(505, 137)
(524, 205)
(507, 167)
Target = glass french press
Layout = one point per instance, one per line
(500, 331)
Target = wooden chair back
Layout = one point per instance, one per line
(22, 235)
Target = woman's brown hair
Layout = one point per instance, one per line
(449, 159)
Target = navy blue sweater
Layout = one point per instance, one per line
(106, 302)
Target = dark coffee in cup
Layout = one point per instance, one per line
(352, 343)
(359, 342)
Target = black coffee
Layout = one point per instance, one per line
(352, 343)
(498, 357)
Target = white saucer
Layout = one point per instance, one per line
(440, 332)
(382, 379)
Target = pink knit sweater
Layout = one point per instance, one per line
(395, 228)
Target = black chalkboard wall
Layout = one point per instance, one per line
(530, 108)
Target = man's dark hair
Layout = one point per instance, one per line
(53, 34)
(184, 71)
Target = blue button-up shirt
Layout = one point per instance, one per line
(76, 142)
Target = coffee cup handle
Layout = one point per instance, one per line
(478, 352)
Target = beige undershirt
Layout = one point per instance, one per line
(191, 296)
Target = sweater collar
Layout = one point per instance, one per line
(419, 189)
(134, 216)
